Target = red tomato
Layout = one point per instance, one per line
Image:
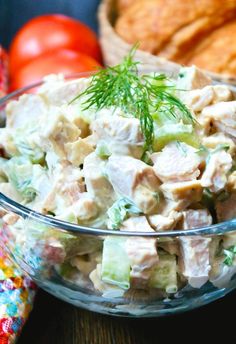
(3, 72)
(50, 32)
(61, 61)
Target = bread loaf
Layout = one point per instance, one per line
(201, 32)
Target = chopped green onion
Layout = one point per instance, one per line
(120, 210)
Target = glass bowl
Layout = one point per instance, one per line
(42, 245)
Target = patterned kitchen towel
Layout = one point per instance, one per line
(16, 291)
(16, 299)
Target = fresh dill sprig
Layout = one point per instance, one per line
(140, 96)
(113, 86)
(229, 254)
(164, 101)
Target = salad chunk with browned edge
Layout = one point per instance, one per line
(126, 152)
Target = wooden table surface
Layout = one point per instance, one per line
(55, 322)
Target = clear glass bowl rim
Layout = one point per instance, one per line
(15, 207)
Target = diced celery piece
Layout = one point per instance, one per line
(24, 141)
(25, 177)
(164, 274)
(115, 263)
(19, 172)
(174, 132)
(25, 148)
(162, 118)
(102, 151)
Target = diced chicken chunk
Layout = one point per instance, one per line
(64, 191)
(187, 192)
(215, 174)
(85, 208)
(196, 251)
(196, 218)
(58, 132)
(196, 260)
(191, 78)
(222, 274)
(162, 223)
(117, 128)
(222, 93)
(136, 224)
(124, 149)
(133, 178)
(98, 185)
(77, 151)
(74, 114)
(198, 99)
(205, 126)
(176, 163)
(91, 140)
(142, 253)
(226, 209)
(20, 111)
(85, 264)
(167, 206)
(223, 115)
(171, 246)
(231, 182)
(58, 92)
(7, 144)
(229, 240)
(8, 190)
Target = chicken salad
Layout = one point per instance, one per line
(165, 161)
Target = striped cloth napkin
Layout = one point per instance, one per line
(16, 291)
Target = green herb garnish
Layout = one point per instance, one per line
(120, 210)
(140, 96)
(164, 102)
(229, 254)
